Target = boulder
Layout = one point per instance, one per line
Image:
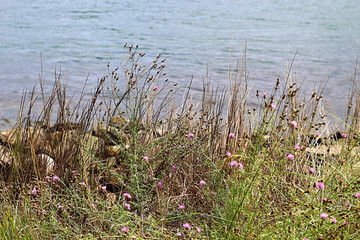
(5, 155)
(118, 121)
(111, 135)
(324, 150)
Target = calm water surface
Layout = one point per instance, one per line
(81, 37)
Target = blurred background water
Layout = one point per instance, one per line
(81, 37)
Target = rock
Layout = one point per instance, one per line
(48, 162)
(118, 121)
(44, 163)
(266, 137)
(8, 136)
(355, 152)
(59, 127)
(91, 142)
(112, 187)
(336, 136)
(6, 161)
(5, 155)
(324, 150)
(111, 135)
(333, 150)
(14, 135)
(111, 197)
(160, 131)
(113, 151)
(316, 141)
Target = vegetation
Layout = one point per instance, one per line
(134, 164)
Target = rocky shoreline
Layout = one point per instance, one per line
(101, 138)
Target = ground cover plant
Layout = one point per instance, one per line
(133, 163)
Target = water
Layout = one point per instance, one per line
(81, 37)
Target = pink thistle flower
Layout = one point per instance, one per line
(202, 183)
(228, 154)
(198, 230)
(272, 106)
(82, 184)
(127, 206)
(93, 205)
(294, 124)
(343, 135)
(234, 163)
(156, 88)
(60, 206)
(103, 188)
(174, 168)
(178, 234)
(146, 158)
(345, 223)
(241, 166)
(125, 229)
(290, 156)
(160, 184)
(317, 134)
(323, 199)
(187, 226)
(191, 135)
(43, 212)
(333, 220)
(264, 94)
(127, 195)
(73, 171)
(181, 207)
(34, 191)
(324, 215)
(231, 135)
(358, 195)
(55, 178)
(347, 204)
(47, 178)
(297, 147)
(311, 170)
(320, 185)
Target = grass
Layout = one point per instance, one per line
(132, 163)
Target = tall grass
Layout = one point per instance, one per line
(134, 163)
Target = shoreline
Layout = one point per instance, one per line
(127, 164)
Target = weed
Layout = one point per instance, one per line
(131, 163)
